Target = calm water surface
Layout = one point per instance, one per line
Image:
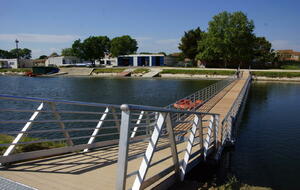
(155, 92)
(267, 151)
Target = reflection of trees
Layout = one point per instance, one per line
(259, 92)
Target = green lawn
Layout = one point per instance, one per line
(141, 70)
(16, 70)
(197, 72)
(276, 74)
(291, 67)
(109, 70)
(5, 139)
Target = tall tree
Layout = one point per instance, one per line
(92, 48)
(67, 52)
(54, 54)
(189, 43)
(263, 52)
(43, 57)
(5, 54)
(123, 45)
(95, 47)
(22, 53)
(229, 39)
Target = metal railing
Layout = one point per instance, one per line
(196, 131)
(229, 119)
(206, 93)
(80, 126)
(72, 126)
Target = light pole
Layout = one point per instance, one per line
(17, 48)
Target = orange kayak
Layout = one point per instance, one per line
(186, 104)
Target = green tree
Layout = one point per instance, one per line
(43, 57)
(95, 47)
(54, 54)
(67, 52)
(5, 54)
(78, 49)
(92, 48)
(123, 45)
(229, 40)
(189, 43)
(22, 53)
(263, 52)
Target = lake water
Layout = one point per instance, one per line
(266, 152)
(267, 149)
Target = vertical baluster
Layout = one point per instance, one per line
(169, 126)
(60, 123)
(123, 148)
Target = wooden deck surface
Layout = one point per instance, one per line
(97, 169)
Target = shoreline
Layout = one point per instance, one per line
(163, 76)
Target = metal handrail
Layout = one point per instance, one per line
(5, 96)
(208, 92)
(234, 109)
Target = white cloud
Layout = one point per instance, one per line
(143, 38)
(168, 41)
(285, 44)
(45, 38)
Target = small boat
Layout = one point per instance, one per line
(186, 104)
(38, 71)
(30, 74)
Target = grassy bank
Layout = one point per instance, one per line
(6, 139)
(197, 72)
(16, 70)
(234, 184)
(141, 70)
(109, 70)
(276, 74)
(291, 67)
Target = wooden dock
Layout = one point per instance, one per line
(97, 169)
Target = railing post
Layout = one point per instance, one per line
(216, 129)
(169, 125)
(24, 129)
(117, 122)
(200, 131)
(123, 148)
(189, 147)
(95, 132)
(61, 124)
(207, 139)
(149, 152)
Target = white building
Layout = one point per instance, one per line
(62, 61)
(107, 61)
(13, 63)
(141, 60)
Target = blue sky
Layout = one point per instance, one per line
(45, 26)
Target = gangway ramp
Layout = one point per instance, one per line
(166, 144)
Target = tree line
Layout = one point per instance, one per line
(15, 53)
(95, 47)
(229, 42)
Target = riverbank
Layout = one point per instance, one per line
(182, 73)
